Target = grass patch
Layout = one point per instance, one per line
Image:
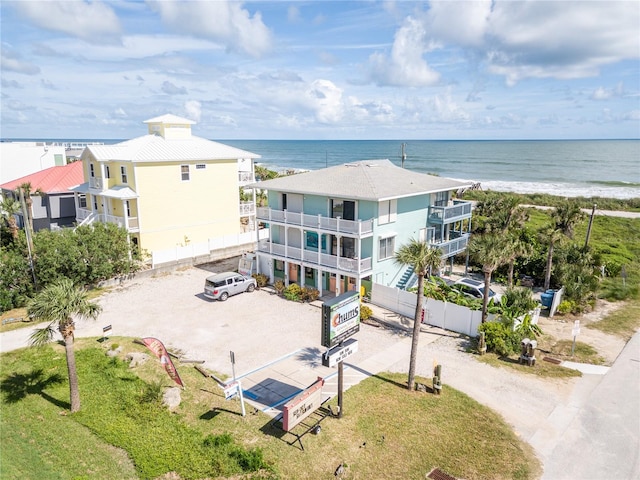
(623, 322)
(583, 353)
(540, 369)
(121, 432)
(19, 315)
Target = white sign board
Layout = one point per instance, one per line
(302, 406)
(231, 390)
(338, 354)
(576, 328)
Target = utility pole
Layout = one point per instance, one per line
(27, 231)
(593, 212)
(404, 155)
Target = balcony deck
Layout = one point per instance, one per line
(131, 223)
(460, 210)
(312, 258)
(360, 228)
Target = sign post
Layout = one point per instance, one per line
(575, 332)
(234, 387)
(340, 320)
(105, 330)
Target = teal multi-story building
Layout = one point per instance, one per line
(338, 228)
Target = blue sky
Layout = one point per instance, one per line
(322, 69)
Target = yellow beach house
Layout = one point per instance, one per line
(170, 189)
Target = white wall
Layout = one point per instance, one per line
(448, 316)
(19, 159)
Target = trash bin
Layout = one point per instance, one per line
(546, 298)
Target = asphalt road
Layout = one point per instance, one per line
(603, 440)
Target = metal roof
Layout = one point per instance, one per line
(50, 180)
(169, 118)
(154, 148)
(374, 180)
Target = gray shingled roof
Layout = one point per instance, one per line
(154, 148)
(374, 180)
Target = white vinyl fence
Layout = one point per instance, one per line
(448, 316)
(195, 250)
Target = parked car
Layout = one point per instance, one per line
(475, 289)
(222, 285)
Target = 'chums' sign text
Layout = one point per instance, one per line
(340, 318)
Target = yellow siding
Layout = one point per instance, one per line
(170, 209)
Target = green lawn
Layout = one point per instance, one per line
(121, 433)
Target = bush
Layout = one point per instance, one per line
(279, 286)
(500, 338)
(310, 294)
(293, 292)
(365, 312)
(565, 307)
(261, 279)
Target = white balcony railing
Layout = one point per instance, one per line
(96, 182)
(317, 222)
(458, 211)
(311, 257)
(131, 223)
(247, 208)
(453, 246)
(246, 177)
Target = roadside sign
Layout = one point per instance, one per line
(231, 390)
(337, 354)
(576, 328)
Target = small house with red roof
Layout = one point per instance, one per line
(52, 203)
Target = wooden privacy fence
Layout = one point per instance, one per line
(446, 315)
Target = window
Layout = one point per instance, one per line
(57, 157)
(106, 172)
(82, 201)
(345, 209)
(386, 248)
(128, 206)
(284, 201)
(123, 174)
(201, 166)
(308, 273)
(442, 198)
(387, 211)
(278, 266)
(95, 203)
(184, 170)
(92, 170)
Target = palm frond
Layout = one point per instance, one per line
(42, 336)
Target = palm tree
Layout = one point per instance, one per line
(57, 304)
(564, 218)
(423, 259)
(491, 250)
(26, 190)
(518, 247)
(9, 208)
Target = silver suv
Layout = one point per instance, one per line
(222, 285)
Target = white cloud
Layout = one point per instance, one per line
(514, 39)
(405, 66)
(223, 21)
(11, 61)
(325, 99)
(193, 108)
(602, 93)
(94, 22)
(172, 89)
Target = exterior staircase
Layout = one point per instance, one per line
(87, 220)
(406, 279)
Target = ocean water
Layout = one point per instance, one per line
(570, 168)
